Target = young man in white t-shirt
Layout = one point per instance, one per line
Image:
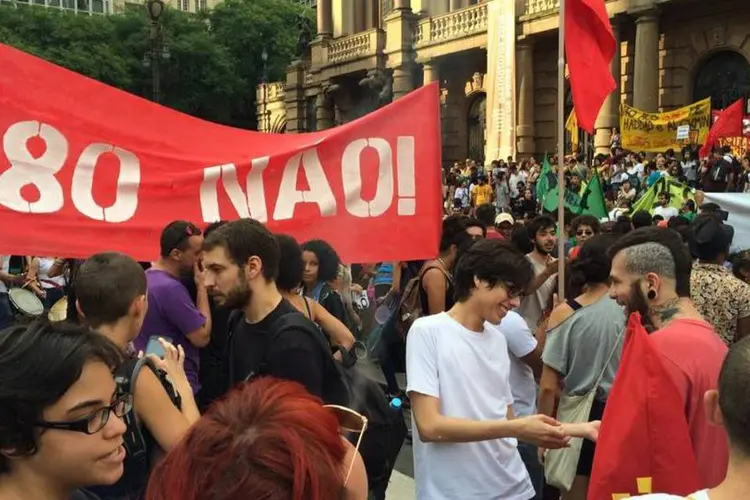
(664, 209)
(729, 407)
(458, 374)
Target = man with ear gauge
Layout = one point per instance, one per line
(651, 275)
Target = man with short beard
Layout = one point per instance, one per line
(651, 275)
(241, 261)
(542, 234)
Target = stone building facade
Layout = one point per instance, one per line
(368, 52)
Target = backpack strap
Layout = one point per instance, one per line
(125, 378)
(317, 290)
(442, 270)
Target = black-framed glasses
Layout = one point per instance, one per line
(584, 233)
(97, 420)
(512, 290)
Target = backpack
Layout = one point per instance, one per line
(345, 385)
(410, 306)
(142, 450)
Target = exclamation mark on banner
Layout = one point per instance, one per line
(407, 192)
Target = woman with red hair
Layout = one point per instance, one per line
(267, 439)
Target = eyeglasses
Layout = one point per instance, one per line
(97, 420)
(512, 291)
(349, 421)
(584, 233)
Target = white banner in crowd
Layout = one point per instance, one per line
(501, 80)
(738, 206)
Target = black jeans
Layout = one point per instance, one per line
(387, 345)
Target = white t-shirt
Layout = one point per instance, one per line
(520, 343)
(45, 266)
(666, 212)
(469, 372)
(698, 495)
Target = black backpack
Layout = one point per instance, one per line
(346, 385)
(142, 450)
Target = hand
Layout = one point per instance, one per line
(541, 430)
(199, 273)
(556, 301)
(586, 430)
(551, 266)
(173, 362)
(40, 293)
(356, 288)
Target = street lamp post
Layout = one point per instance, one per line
(159, 50)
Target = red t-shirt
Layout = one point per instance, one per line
(492, 234)
(693, 354)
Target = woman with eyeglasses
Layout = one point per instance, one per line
(584, 227)
(267, 439)
(61, 425)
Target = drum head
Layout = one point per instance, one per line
(59, 311)
(26, 302)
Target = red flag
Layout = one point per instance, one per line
(727, 124)
(589, 49)
(644, 442)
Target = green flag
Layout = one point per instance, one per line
(676, 190)
(546, 181)
(589, 202)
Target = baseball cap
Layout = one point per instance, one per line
(504, 218)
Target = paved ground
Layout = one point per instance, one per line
(402, 482)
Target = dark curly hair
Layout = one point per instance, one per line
(328, 259)
(39, 362)
(593, 263)
(492, 261)
(290, 273)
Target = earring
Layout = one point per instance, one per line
(651, 294)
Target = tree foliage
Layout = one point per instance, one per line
(215, 58)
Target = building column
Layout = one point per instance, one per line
(646, 77)
(325, 18)
(403, 83)
(609, 115)
(360, 15)
(402, 4)
(431, 73)
(324, 113)
(525, 98)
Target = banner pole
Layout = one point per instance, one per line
(561, 154)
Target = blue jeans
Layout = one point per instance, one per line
(6, 313)
(530, 459)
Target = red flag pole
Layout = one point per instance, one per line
(561, 154)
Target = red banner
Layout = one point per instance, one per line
(85, 167)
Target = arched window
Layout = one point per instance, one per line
(724, 77)
(477, 127)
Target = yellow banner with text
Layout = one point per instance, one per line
(657, 132)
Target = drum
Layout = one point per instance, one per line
(59, 311)
(25, 303)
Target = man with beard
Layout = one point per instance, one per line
(651, 275)
(172, 313)
(537, 294)
(241, 261)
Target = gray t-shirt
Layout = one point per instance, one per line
(532, 306)
(579, 346)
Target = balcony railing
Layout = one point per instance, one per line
(452, 26)
(352, 47)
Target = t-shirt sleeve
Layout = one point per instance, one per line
(743, 300)
(178, 307)
(518, 336)
(421, 361)
(555, 353)
(295, 356)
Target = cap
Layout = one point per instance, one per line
(504, 218)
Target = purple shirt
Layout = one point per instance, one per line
(172, 313)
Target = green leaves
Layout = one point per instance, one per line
(215, 56)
